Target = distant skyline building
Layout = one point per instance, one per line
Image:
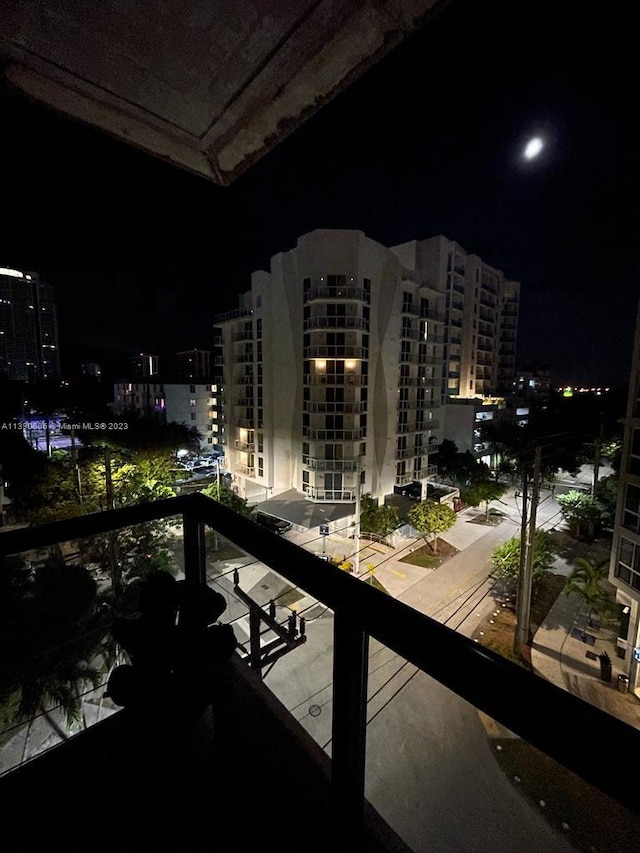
(28, 327)
(194, 365)
(143, 366)
(482, 309)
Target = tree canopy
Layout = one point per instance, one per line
(485, 490)
(380, 520)
(227, 498)
(431, 518)
(581, 511)
(506, 559)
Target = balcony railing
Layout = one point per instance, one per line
(342, 293)
(245, 379)
(245, 423)
(334, 408)
(243, 336)
(232, 315)
(334, 434)
(337, 323)
(317, 464)
(549, 718)
(330, 495)
(247, 470)
(332, 352)
(340, 379)
(244, 445)
(244, 358)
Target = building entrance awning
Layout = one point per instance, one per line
(293, 506)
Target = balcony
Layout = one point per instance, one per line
(246, 470)
(245, 379)
(334, 408)
(329, 495)
(244, 402)
(243, 764)
(340, 379)
(334, 434)
(409, 334)
(411, 308)
(332, 352)
(337, 323)
(317, 464)
(405, 453)
(245, 423)
(244, 445)
(432, 316)
(244, 358)
(344, 294)
(242, 336)
(232, 315)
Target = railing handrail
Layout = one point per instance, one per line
(551, 719)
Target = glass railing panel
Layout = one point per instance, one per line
(445, 776)
(57, 605)
(289, 637)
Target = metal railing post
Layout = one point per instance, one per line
(349, 727)
(195, 563)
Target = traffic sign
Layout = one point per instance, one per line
(324, 530)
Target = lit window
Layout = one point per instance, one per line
(192, 403)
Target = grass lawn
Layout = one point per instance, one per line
(596, 824)
(426, 559)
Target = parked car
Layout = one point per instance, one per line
(275, 525)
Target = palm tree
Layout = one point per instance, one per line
(585, 581)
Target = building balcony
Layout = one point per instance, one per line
(344, 294)
(244, 335)
(334, 408)
(316, 464)
(337, 323)
(245, 423)
(246, 470)
(487, 302)
(416, 476)
(329, 495)
(245, 379)
(413, 309)
(405, 452)
(181, 784)
(409, 334)
(244, 445)
(340, 379)
(237, 314)
(245, 402)
(334, 434)
(432, 316)
(244, 358)
(333, 352)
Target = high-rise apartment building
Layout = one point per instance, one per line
(481, 316)
(143, 365)
(333, 372)
(194, 365)
(28, 327)
(624, 570)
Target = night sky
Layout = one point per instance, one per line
(142, 255)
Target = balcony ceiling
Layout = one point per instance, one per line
(209, 86)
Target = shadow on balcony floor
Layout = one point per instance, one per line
(250, 782)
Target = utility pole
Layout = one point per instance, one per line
(527, 540)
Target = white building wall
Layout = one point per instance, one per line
(277, 301)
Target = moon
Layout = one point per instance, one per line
(533, 148)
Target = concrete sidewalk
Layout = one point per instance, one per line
(565, 651)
